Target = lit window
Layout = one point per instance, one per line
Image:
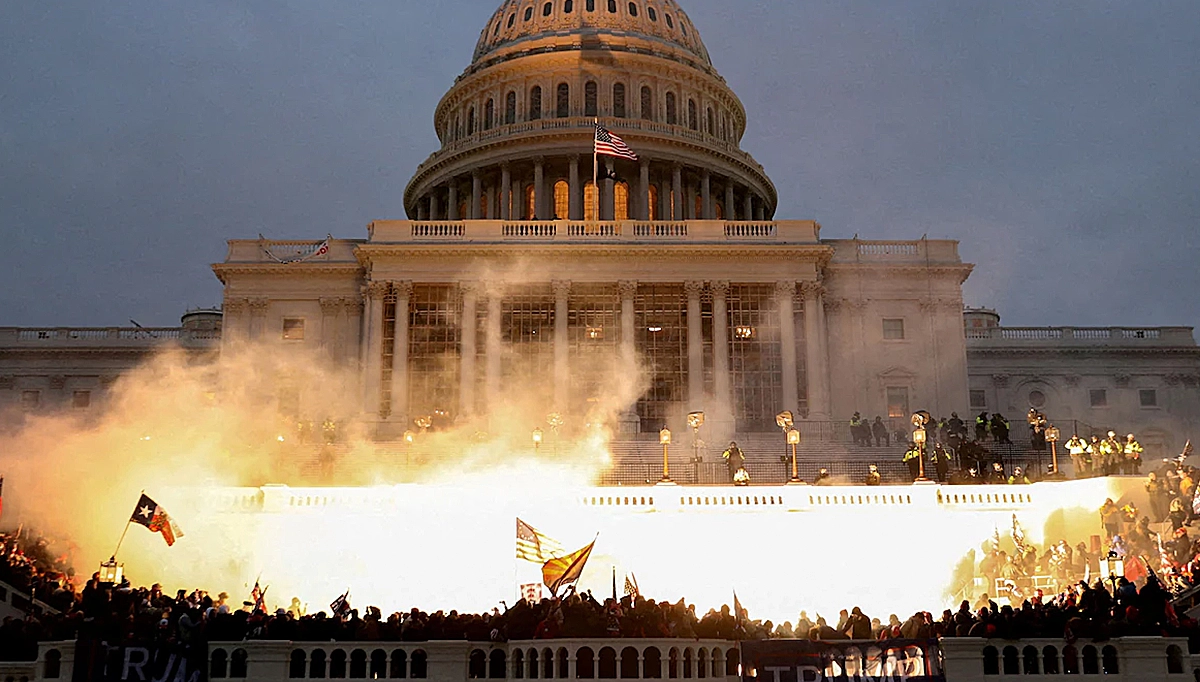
(1148, 397)
(81, 400)
(562, 200)
(530, 203)
(1037, 399)
(654, 329)
(743, 332)
(893, 330)
(30, 400)
(595, 333)
(654, 210)
(589, 201)
(621, 201)
(897, 401)
(1098, 397)
(293, 329)
(978, 399)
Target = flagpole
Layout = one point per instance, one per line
(596, 173)
(128, 522)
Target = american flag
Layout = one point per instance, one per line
(611, 145)
(259, 597)
(534, 546)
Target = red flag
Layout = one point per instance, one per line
(559, 572)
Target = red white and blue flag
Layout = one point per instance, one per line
(259, 597)
(609, 144)
(150, 514)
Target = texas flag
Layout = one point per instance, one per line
(149, 514)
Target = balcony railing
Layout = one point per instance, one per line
(1114, 336)
(712, 231)
(79, 337)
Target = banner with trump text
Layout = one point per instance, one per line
(798, 660)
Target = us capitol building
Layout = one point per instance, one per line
(511, 263)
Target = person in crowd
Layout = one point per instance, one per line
(996, 474)
(1097, 454)
(1179, 514)
(734, 460)
(1110, 517)
(859, 430)
(858, 626)
(823, 477)
(912, 458)
(1078, 449)
(880, 431)
(1160, 497)
(1018, 477)
(1000, 429)
(1133, 456)
(873, 477)
(1114, 454)
(982, 427)
(941, 459)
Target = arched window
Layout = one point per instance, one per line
(471, 121)
(489, 114)
(1108, 660)
(518, 664)
(547, 664)
(1070, 659)
(991, 661)
(673, 663)
(218, 664)
(562, 200)
(585, 668)
(619, 100)
(547, 8)
(672, 114)
(589, 202)
(563, 664)
(399, 667)
(562, 108)
(568, 6)
(732, 662)
(1050, 660)
(1174, 660)
(297, 665)
(511, 19)
(1091, 662)
(316, 666)
(379, 667)
(337, 664)
(591, 5)
(693, 123)
(652, 14)
(633, 9)
(621, 201)
(590, 99)
(612, 6)
(52, 666)
(1029, 657)
(238, 663)
(652, 663)
(510, 108)
(420, 664)
(647, 103)
(608, 656)
(719, 210)
(654, 209)
(702, 663)
(535, 103)
(477, 665)
(687, 663)
(358, 664)
(712, 122)
(528, 13)
(534, 668)
(529, 210)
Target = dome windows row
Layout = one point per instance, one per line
(712, 121)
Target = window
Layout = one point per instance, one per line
(530, 204)
(670, 24)
(293, 329)
(590, 99)
(621, 201)
(497, 31)
(652, 14)
(712, 126)
(510, 108)
(978, 400)
(489, 114)
(693, 123)
(1098, 397)
(897, 401)
(546, 8)
(893, 329)
(672, 114)
(1037, 399)
(612, 6)
(632, 9)
(1148, 397)
(589, 201)
(562, 200)
(647, 104)
(528, 13)
(535, 103)
(511, 18)
(568, 6)
(619, 100)
(31, 400)
(81, 400)
(471, 121)
(562, 107)
(591, 5)
(654, 209)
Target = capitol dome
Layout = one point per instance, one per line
(517, 126)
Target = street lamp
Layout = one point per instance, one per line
(664, 437)
(111, 572)
(919, 420)
(793, 439)
(1052, 436)
(537, 439)
(695, 420)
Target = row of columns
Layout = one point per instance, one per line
(431, 207)
(816, 345)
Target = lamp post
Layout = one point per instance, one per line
(695, 420)
(793, 439)
(664, 437)
(1052, 436)
(111, 572)
(784, 420)
(919, 441)
(537, 440)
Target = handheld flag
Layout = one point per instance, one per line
(259, 597)
(534, 546)
(150, 514)
(609, 144)
(631, 586)
(739, 614)
(341, 605)
(560, 572)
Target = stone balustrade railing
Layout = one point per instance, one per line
(123, 337)
(1127, 659)
(708, 231)
(1066, 336)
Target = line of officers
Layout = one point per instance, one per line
(1105, 457)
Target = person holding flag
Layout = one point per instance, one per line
(607, 144)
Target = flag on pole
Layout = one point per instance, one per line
(150, 514)
(259, 597)
(533, 545)
(609, 144)
(631, 586)
(739, 614)
(562, 571)
(1, 495)
(341, 605)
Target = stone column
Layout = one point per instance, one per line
(422, 209)
(490, 213)
(330, 307)
(562, 383)
(706, 202)
(452, 207)
(518, 201)
(721, 379)
(493, 345)
(476, 196)
(784, 293)
(677, 189)
(629, 421)
(539, 192)
(355, 331)
(374, 365)
(433, 205)
(505, 192)
(730, 211)
(760, 211)
(608, 198)
(467, 341)
(748, 209)
(817, 358)
(644, 191)
(403, 292)
(575, 209)
(695, 346)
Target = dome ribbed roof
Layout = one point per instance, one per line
(659, 21)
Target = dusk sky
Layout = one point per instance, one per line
(1058, 140)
